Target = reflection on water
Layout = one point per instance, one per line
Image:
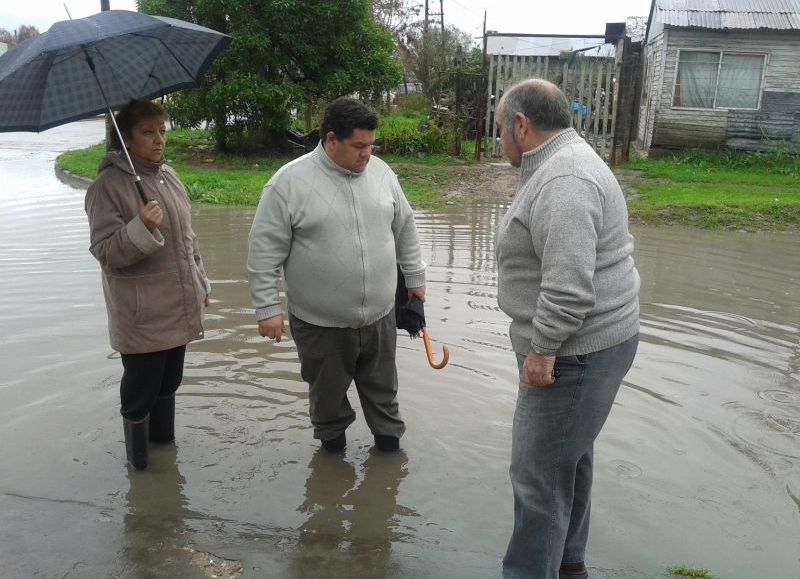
(699, 457)
(156, 507)
(350, 511)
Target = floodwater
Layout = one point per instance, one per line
(699, 463)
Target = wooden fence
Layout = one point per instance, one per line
(590, 85)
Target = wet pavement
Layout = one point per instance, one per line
(699, 463)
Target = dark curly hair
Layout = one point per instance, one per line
(344, 115)
(133, 113)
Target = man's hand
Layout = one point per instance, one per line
(538, 370)
(417, 292)
(151, 215)
(271, 328)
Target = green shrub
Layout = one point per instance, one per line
(405, 134)
(415, 102)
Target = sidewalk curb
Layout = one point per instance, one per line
(71, 179)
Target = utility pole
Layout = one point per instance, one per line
(440, 14)
(480, 94)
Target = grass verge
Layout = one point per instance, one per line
(224, 179)
(681, 571)
(721, 190)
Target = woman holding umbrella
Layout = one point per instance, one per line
(154, 283)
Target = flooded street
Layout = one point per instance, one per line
(698, 465)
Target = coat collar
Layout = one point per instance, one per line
(118, 159)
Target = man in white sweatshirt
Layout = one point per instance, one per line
(336, 223)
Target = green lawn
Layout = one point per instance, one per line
(225, 179)
(710, 190)
(719, 190)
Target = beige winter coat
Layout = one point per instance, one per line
(154, 283)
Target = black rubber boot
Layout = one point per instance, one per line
(162, 420)
(136, 442)
(387, 443)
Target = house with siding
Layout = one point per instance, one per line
(721, 73)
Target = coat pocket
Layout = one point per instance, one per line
(159, 301)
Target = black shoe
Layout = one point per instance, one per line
(335, 444)
(387, 443)
(162, 420)
(573, 571)
(136, 442)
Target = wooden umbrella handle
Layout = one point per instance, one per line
(429, 352)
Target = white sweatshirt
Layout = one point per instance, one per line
(337, 236)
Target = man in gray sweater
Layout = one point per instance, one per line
(335, 223)
(566, 279)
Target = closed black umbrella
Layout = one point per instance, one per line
(81, 68)
(410, 316)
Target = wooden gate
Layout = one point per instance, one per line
(589, 83)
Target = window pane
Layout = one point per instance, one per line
(740, 81)
(697, 79)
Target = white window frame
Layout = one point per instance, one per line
(721, 53)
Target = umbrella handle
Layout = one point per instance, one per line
(429, 352)
(140, 189)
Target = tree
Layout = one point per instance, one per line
(431, 55)
(25, 32)
(284, 55)
(398, 18)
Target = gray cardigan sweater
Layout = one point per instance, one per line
(337, 235)
(564, 254)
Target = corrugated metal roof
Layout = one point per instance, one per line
(729, 14)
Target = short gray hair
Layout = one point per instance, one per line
(542, 102)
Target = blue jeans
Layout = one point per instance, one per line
(551, 459)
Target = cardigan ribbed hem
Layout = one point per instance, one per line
(310, 318)
(269, 312)
(608, 338)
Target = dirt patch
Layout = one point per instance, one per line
(215, 567)
(499, 181)
(626, 178)
(489, 181)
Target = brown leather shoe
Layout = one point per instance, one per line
(573, 571)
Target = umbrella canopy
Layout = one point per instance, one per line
(409, 313)
(81, 68)
(410, 316)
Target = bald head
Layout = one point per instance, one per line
(540, 101)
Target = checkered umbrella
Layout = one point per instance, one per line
(81, 68)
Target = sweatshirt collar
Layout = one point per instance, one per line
(533, 159)
(328, 163)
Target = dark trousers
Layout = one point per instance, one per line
(147, 377)
(332, 358)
